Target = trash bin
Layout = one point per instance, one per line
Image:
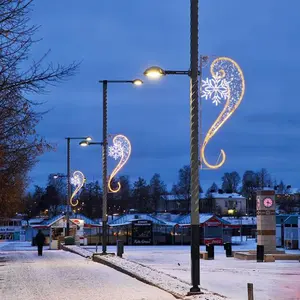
(210, 251)
(228, 250)
(260, 253)
(120, 248)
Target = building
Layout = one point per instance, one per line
(215, 203)
(11, 229)
(224, 204)
(287, 231)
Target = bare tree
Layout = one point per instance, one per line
(263, 178)
(20, 145)
(231, 182)
(182, 190)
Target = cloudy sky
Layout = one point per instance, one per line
(119, 39)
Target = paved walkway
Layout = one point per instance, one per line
(59, 275)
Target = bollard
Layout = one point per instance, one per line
(120, 248)
(250, 291)
(260, 253)
(228, 250)
(210, 251)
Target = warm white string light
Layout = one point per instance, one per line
(78, 181)
(227, 84)
(121, 149)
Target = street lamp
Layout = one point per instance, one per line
(86, 138)
(137, 82)
(157, 72)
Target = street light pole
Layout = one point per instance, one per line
(194, 147)
(68, 184)
(69, 188)
(104, 156)
(104, 169)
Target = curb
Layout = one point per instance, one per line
(98, 259)
(63, 247)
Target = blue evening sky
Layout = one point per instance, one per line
(119, 39)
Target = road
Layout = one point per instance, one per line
(59, 275)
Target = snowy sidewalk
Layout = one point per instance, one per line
(166, 282)
(60, 275)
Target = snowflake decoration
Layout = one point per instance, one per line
(215, 89)
(75, 180)
(115, 151)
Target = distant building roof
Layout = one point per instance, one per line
(126, 219)
(227, 195)
(241, 221)
(203, 218)
(48, 223)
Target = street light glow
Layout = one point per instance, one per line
(83, 143)
(154, 72)
(137, 82)
(88, 139)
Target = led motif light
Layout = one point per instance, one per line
(121, 149)
(227, 83)
(78, 181)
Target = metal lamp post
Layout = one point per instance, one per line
(69, 188)
(137, 82)
(156, 72)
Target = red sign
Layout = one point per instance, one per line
(76, 221)
(214, 241)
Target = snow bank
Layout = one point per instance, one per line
(168, 283)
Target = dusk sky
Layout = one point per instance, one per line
(120, 39)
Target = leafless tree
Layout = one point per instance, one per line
(20, 145)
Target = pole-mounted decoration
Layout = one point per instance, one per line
(227, 84)
(78, 181)
(121, 149)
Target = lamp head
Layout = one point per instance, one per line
(137, 82)
(88, 139)
(55, 176)
(84, 143)
(154, 72)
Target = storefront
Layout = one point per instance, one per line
(213, 230)
(140, 229)
(11, 230)
(54, 230)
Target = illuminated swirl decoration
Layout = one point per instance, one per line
(227, 84)
(78, 181)
(121, 149)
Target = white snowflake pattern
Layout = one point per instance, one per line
(75, 180)
(215, 89)
(115, 151)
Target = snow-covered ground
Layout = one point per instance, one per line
(226, 276)
(18, 246)
(60, 275)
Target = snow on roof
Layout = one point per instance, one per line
(35, 221)
(138, 216)
(226, 195)
(203, 218)
(241, 220)
(168, 217)
(48, 223)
